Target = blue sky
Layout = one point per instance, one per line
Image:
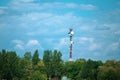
(26, 25)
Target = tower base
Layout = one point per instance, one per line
(70, 59)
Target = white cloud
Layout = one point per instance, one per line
(32, 42)
(114, 46)
(62, 43)
(117, 32)
(36, 17)
(18, 44)
(37, 32)
(37, 23)
(3, 7)
(103, 27)
(25, 1)
(89, 42)
(85, 39)
(2, 11)
(94, 46)
(56, 20)
(70, 5)
(23, 5)
(31, 5)
(87, 7)
(17, 41)
(110, 17)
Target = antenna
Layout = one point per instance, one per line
(71, 43)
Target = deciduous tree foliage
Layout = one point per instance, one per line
(35, 57)
(8, 65)
(72, 68)
(53, 63)
(28, 56)
(57, 64)
(26, 69)
(52, 67)
(47, 59)
(109, 71)
(90, 70)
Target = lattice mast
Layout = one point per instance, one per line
(71, 42)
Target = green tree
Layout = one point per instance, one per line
(3, 64)
(35, 57)
(38, 76)
(47, 59)
(28, 56)
(73, 68)
(70, 69)
(89, 70)
(79, 64)
(9, 65)
(109, 71)
(57, 64)
(39, 71)
(26, 69)
(41, 67)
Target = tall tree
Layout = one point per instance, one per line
(89, 70)
(47, 59)
(78, 65)
(9, 68)
(41, 67)
(70, 69)
(35, 57)
(57, 64)
(26, 69)
(53, 64)
(3, 63)
(28, 56)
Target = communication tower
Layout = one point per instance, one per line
(71, 42)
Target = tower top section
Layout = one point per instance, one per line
(71, 32)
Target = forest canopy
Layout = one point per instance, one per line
(52, 67)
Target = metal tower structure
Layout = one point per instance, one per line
(71, 42)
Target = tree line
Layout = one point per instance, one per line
(52, 67)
